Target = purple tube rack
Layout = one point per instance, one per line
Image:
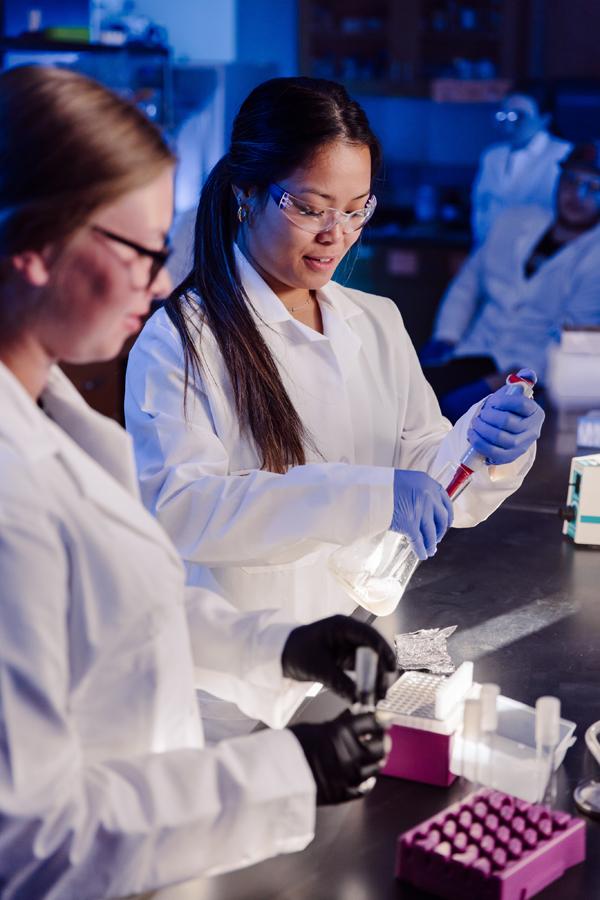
(491, 846)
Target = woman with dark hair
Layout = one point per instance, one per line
(105, 786)
(269, 404)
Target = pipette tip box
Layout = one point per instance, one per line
(490, 846)
(423, 712)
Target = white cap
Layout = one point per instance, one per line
(547, 721)
(489, 713)
(365, 667)
(471, 720)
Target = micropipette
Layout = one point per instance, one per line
(521, 382)
(375, 571)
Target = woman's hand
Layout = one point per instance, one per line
(422, 510)
(505, 426)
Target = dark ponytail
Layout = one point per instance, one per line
(279, 127)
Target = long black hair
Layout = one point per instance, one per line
(279, 128)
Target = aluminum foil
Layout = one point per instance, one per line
(425, 650)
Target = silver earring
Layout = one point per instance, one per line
(242, 213)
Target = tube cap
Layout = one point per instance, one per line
(523, 380)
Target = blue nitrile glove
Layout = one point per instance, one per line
(505, 426)
(422, 510)
(436, 352)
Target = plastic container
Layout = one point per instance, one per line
(424, 714)
(511, 762)
(490, 846)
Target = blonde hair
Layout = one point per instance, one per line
(68, 145)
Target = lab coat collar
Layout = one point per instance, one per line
(269, 307)
(22, 424)
(532, 230)
(98, 436)
(94, 450)
(538, 144)
(528, 229)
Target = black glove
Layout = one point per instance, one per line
(342, 754)
(322, 650)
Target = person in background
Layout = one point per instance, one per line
(105, 787)
(276, 408)
(537, 271)
(522, 169)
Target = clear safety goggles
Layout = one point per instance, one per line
(314, 220)
(585, 185)
(512, 116)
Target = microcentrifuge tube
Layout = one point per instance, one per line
(547, 736)
(365, 668)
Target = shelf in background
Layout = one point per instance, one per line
(31, 43)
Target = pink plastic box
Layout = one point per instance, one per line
(490, 846)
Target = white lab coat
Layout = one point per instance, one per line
(507, 178)
(492, 309)
(105, 789)
(360, 392)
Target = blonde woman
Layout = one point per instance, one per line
(105, 787)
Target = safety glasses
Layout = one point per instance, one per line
(511, 115)
(158, 258)
(316, 221)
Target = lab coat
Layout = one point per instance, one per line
(507, 178)
(360, 392)
(105, 789)
(492, 309)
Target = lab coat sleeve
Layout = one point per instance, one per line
(462, 300)
(219, 518)
(237, 656)
(73, 829)
(429, 442)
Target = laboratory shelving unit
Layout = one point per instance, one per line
(401, 46)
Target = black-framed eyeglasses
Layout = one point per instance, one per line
(159, 257)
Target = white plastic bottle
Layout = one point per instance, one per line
(375, 571)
